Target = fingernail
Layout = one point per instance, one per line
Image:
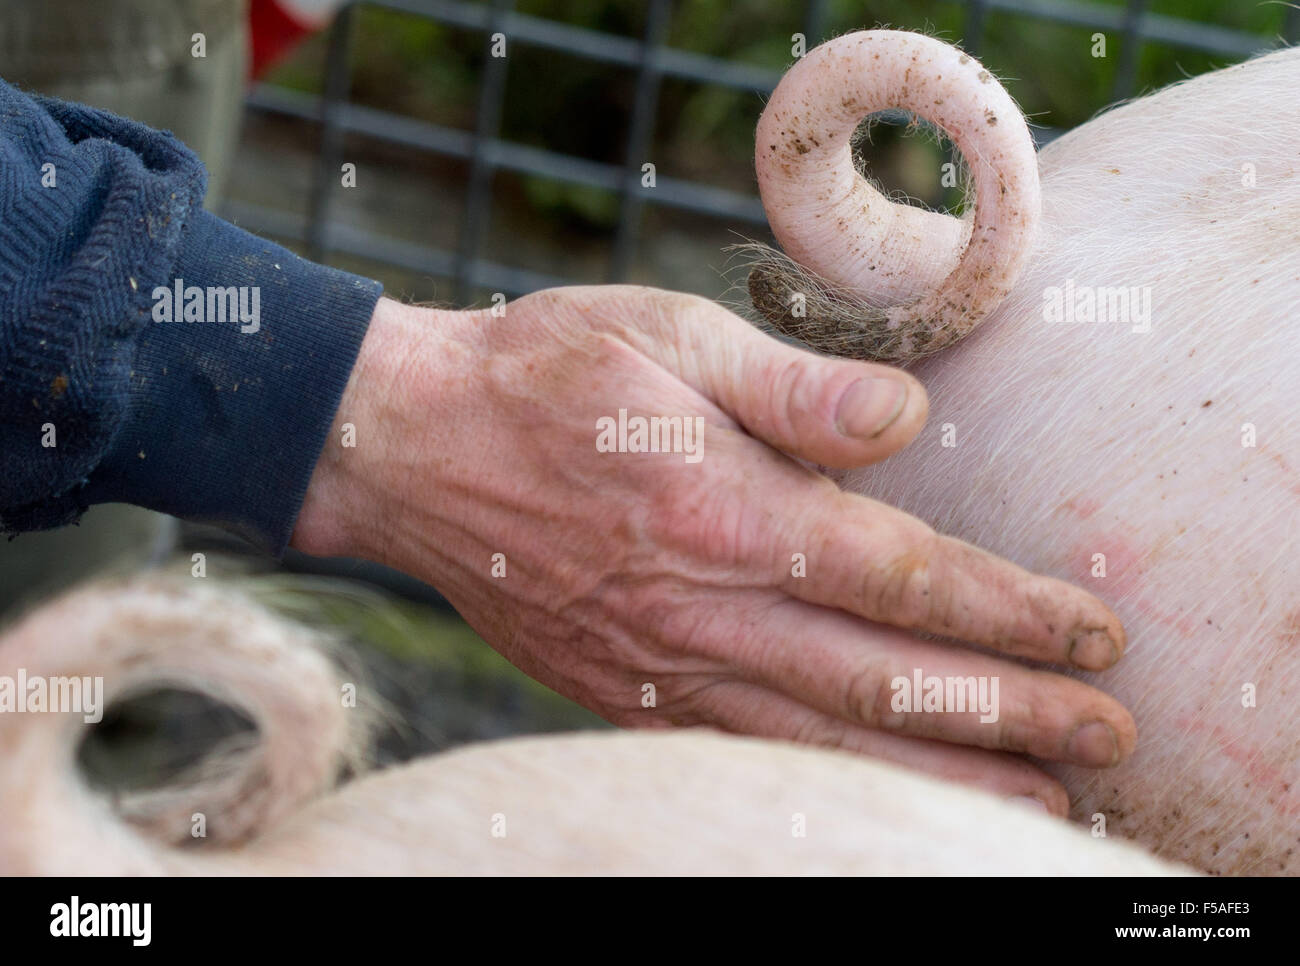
(1093, 651)
(1094, 745)
(1029, 801)
(870, 406)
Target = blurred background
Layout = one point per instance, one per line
(478, 174)
(508, 174)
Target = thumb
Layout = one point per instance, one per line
(834, 412)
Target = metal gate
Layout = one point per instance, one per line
(486, 152)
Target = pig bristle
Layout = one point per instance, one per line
(827, 319)
(235, 770)
(793, 300)
(834, 321)
(163, 632)
(434, 816)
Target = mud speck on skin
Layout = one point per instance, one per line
(1176, 836)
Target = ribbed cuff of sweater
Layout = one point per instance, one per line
(228, 414)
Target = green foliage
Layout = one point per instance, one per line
(576, 106)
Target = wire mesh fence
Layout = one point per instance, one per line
(485, 152)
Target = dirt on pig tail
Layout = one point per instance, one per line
(789, 300)
(863, 275)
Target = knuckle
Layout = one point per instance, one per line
(682, 700)
(1023, 718)
(820, 732)
(903, 590)
(681, 629)
(794, 384)
(675, 630)
(1014, 731)
(683, 307)
(711, 526)
(867, 696)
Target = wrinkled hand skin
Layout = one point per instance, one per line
(476, 435)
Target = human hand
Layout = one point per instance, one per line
(476, 436)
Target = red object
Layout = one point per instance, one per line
(273, 32)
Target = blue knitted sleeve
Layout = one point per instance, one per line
(151, 353)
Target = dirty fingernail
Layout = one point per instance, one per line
(870, 406)
(1093, 651)
(1030, 802)
(1094, 744)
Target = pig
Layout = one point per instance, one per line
(684, 802)
(1112, 404)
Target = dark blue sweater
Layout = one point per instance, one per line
(197, 418)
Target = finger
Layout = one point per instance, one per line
(748, 709)
(885, 565)
(879, 677)
(834, 412)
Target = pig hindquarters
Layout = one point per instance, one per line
(601, 803)
(1124, 419)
